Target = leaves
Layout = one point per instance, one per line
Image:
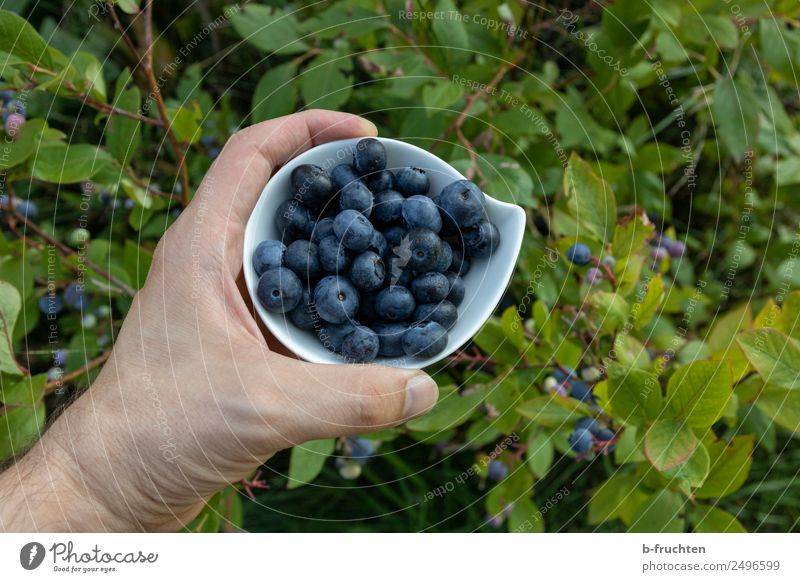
(10, 305)
(20, 39)
(735, 110)
(324, 83)
(710, 519)
(774, 355)
(268, 29)
(730, 464)
(451, 410)
(276, 93)
(62, 164)
(669, 443)
(555, 411)
(14, 152)
(123, 135)
(589, 199)
(634, 394)
(307, 460)
(698, 393)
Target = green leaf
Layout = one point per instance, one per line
(668, 443)
(782, 406)
(62, 164)
(492, 339)
(539, 454)
(14, 152)
(710, 519)
(90, 79)
(590, 199)
(451, 34)
(555, 411)
(307, 460)
(185, 122)
(451, 410)
(20, 39)
(512, 327)
(137, 262)
(123, 134)
(324, 83)
(774, 355)
(735, 110)
(693, 472)
(698, 393)
(790, 311)
(634, 394)
(440, 95)
(610, 309)
(268, 29)
(615, 497)
(506, 179)
(659, 514)
(25, 392)
(19, 428)
(10, 305)
(276, 93)
(730, 465)
(643, 312)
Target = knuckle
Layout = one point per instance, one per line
(376, 404)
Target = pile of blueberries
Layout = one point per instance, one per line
(369, 260)
(589, 434)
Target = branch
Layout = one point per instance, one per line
(90, 365)
(180, 153)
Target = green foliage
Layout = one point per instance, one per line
(614, 126)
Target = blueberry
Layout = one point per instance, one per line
(279, 290)
(580, 441)
(394, 235)
(430, 287)
(604, 434)
(361, 345)
(367, 271)
(398, 272)
(344, 174)
(594, 276)
(457, 288)
(304, 316)
(356, 196)
(412, 181)
(462, 201)
(13, 124)
(497, 470)
(312, 185)
(541, 224)
(293, 221)
(482, 239)
(676, 249)
(564, 374)
(587, 423)
(336, 299)
(580, 390)
(378, 244)
(6, 96)
(333, 256)
(390, 335)
(370, 156)
(380, 181)
(424, 340)
(445, 257)
(424, 248)
(15, 106)
(60, 357)
(75, 297)
(332, 335)
(460, 263)
(28, 209)
(353, 229)
(444, 313)
(659, 253)
(579, 254)
(360, 448)
(50, 304)
(421, 212)
(302, 257)
(395, 303)
(322, 228)
(609, 261)
(388, 208)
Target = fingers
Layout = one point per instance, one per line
(233, 184)
(322, 401)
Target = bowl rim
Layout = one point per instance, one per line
(276, 322)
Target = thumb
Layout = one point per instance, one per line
(323, 400)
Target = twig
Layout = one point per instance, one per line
(127, 289)
(90, 365)
(180, 153)
(125, 37)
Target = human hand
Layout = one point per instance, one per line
(193, 398)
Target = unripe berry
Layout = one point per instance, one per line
(594, 276)
(13, 124)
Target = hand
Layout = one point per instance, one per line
(192, 398)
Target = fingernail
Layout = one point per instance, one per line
(369, 127)
(421, 395)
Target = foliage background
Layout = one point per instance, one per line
(610, 122)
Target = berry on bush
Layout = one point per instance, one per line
(580, 441)
(594, 276)
(579, 254)
(497, 470)
(13, 124)
(50, 304)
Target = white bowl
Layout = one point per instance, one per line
(485, 283)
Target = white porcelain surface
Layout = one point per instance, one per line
(485, 282)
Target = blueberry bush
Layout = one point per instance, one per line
(642, 372)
